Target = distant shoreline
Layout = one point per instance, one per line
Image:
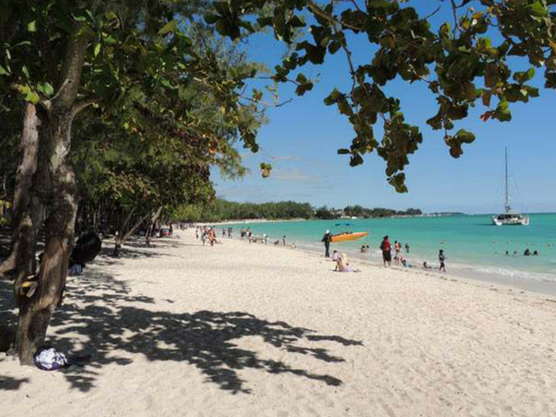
(396, 216)
(300, 219)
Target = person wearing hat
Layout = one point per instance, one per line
(327, 238)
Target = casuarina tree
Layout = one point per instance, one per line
(61, 59)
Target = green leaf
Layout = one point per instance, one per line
(46, 89)
(334, 96)
(168, 27)
(97, 48)
(32, 27)
(356, 160)
(537, 9)
(465, 136)
(32, 97)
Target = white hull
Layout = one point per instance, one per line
(510, 220)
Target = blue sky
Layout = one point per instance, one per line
(302, 137)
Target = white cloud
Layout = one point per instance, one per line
(293, 175)
(285, 158)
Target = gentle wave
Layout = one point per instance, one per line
(509, 273)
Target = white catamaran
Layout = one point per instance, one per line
(509, 217)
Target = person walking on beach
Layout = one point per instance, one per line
(386, 248)
(441, 259)
(327, 238)
(284, 240)
(397, 248)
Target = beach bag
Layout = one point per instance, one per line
(86, 249)
(75, 269)
(48, 359)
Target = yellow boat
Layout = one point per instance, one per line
(347, 236)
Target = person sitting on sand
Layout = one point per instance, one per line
(426, 266)
(363, 250)
(405, 263)
(343, 265)
(335, 256)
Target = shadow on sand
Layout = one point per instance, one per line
(96, 308)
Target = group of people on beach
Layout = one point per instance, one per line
(342, 261)
(206, 233)
(386, 248)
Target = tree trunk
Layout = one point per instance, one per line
(125, 233)
(26, 207)
(152, 224)
(35, 312)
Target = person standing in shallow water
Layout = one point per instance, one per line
(441, 259)
(327, 238)
(386, 248)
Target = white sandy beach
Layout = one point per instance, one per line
(254, 330)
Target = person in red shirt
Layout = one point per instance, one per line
(386, 248)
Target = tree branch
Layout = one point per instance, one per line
(82, 105)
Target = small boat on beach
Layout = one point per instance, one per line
(509, 217)
(348, 236)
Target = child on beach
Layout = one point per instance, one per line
(335, 256)
(397, 248)
(441, 259)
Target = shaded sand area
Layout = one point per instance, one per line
(254, 330)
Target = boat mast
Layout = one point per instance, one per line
(507, 205)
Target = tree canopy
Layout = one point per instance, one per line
(474, 59)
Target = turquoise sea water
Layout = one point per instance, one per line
(471, 243)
